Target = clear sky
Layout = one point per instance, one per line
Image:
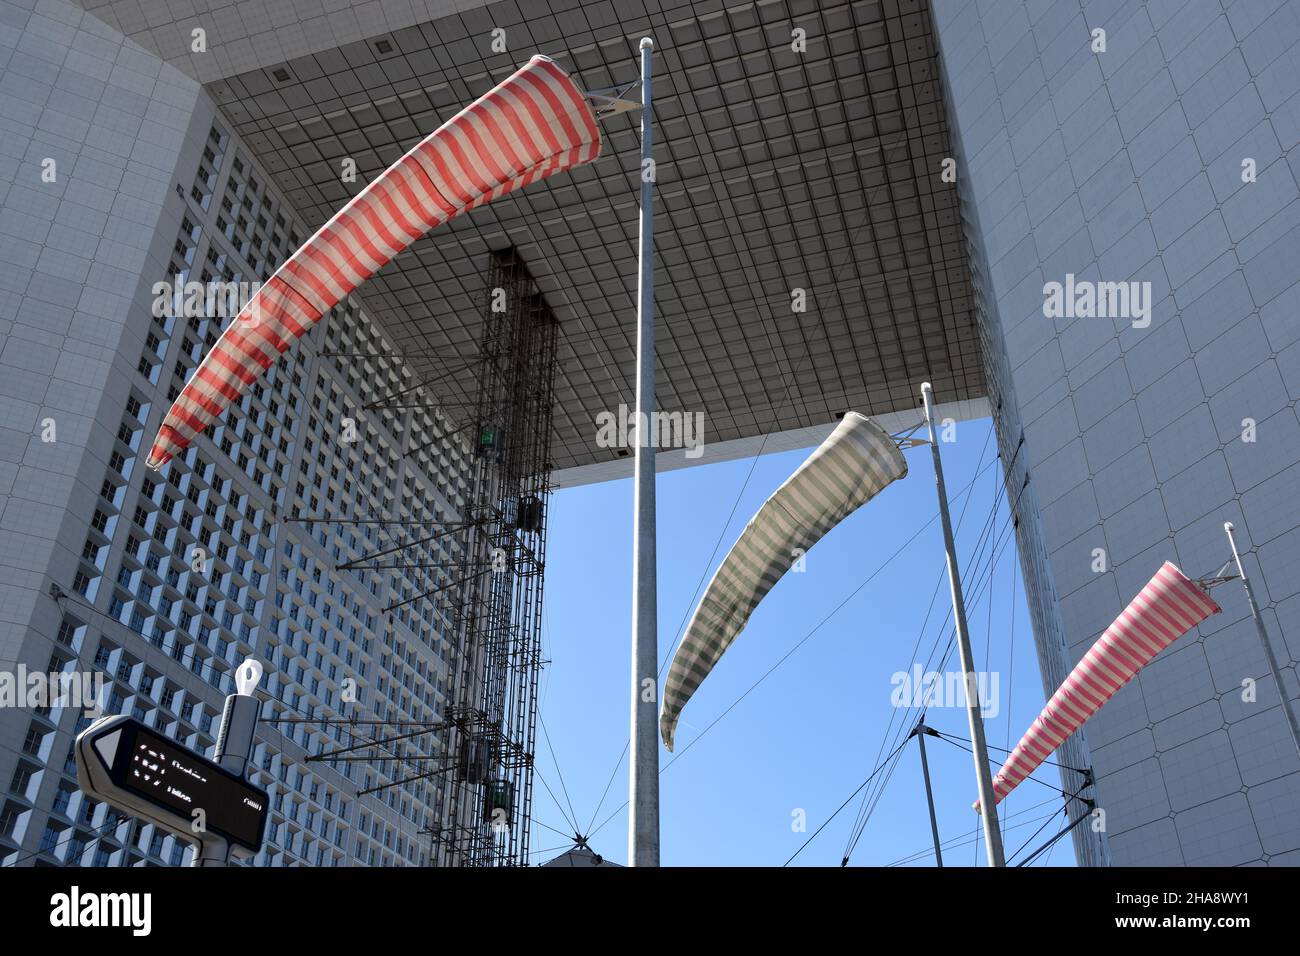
(801, 741)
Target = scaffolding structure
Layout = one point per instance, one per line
(497, 599)
(483, 747)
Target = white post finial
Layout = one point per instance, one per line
(646, 43)
(246, 677)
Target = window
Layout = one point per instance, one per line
(22, 777)
(62, 798)
(50, 838)
(32, 742)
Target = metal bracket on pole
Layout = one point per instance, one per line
(1219, 577)
(905, 438)
(988, 804)
(1287, 707)
(612, 100)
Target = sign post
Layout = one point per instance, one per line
(208, 803)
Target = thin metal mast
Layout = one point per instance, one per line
(988, 807)
(919, 732)
(1263, 639)
(643, 776)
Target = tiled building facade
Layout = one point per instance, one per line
(166, 581)
(1115, 164)
(1132, 164)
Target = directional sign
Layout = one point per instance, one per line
(138, 770)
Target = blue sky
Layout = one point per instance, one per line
(801, 741)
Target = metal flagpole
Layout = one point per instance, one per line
(1263, 639)
(919, 732)
(643, 777)
(988, 807)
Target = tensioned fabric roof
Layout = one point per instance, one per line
(778, 169)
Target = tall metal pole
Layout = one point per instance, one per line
(643, 778)
(988, 807)
(1287, 708)
(920, 732)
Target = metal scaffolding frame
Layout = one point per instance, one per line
(498, 596)
(484, 746)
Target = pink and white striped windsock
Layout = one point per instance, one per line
(1168, 607)
(535, 123)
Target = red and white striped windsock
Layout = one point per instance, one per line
(535, 123)
(1167, 608)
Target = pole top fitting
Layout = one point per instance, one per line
(927, 387)
(1227, 526)
(646, 43)
(246, 677)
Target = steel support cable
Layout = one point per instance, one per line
(906, 721)
(841, 807)
(224, 675)
(884, 564)
(545, 826)
(555, 800)
(878, 795)
(864, 813)
(609, 783)
(957, 843)
(836, 276)
(95, 834)
(852, 594)
(954, 842)
(996, 767)
(1064, 809)
(558, 772)
(886, 738)
(347, 728)
(1050, 845)
(1000, 542)
(785, 399)
(983, 578)
(983, 587)
(563, 846)
(966, 740)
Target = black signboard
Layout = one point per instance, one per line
(155, 769)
